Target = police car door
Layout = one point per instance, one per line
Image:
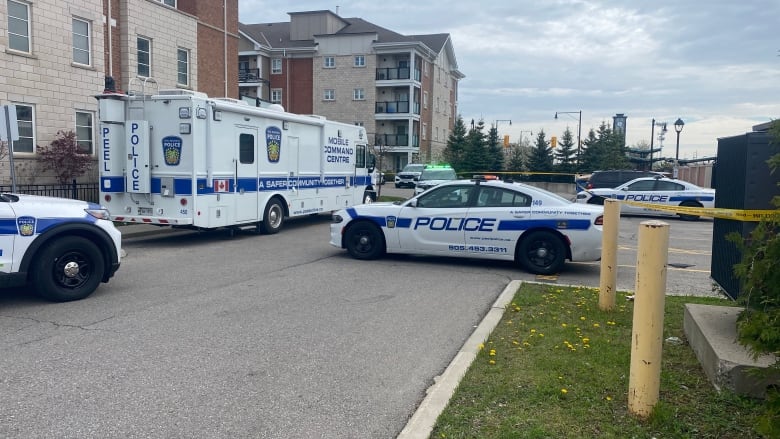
(504, 214)
(437, 221)
(642, 190)
(7, 235)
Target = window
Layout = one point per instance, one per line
(360, 60)
(329, 62)
(246, 149)
(424, 131)
(276, 66)
(25, 117)
(497, 197)
(358, 94)
(359, 123)
(183, 66)
(330, 94)
(276, 95)
(19, 26)
(82, 53)
(360, 156)
(144, 53)
(171, 3)
(425, 100)
(448, 197)
(84, 131)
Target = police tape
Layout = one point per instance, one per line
(713, 212)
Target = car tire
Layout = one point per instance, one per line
(541, 252)
(364, 240)
(68, 268)
(685, 217)
(273, 218)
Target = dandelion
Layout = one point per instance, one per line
(609, 398)
(492, 352)
(586, 340)
(596, 325)
(492, 362)
(582, 318)
(564, 325)
(564, 391)
(533, 331)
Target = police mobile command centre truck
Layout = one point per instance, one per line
(489, 219)
(63, 248)
(178, 158)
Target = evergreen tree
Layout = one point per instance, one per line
(566, 153)
(475, 155)
(517, 159)
(541, 159)
(457, 144)
(590, 154)
(605, 150)
(495, 153)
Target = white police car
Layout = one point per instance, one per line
(63, 248)
(658, 190)
(478, 219)
(433, 175)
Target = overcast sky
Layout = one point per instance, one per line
(714, 63)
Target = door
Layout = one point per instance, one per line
(438, 221)
(504, 214)
(245, 183)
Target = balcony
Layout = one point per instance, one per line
(397, 140)
(249, 75)
(392, 107)
(390, 74)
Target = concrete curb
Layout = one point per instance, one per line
(438, 395)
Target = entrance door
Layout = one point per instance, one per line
(245, 187)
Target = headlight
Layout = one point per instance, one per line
(336, 218)
(101, 213)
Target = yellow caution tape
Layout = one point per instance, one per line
(713, 212)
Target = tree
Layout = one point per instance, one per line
(455, 150)
(604, 150)
(566, 154)
(517, 159)
(476, 157)
(541, 159)
(65, 157)
(495, 153)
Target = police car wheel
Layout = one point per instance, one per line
(685, 217)
(364, 240)
(70, 268)
(273, 219)
(541, 252)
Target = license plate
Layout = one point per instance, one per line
(145, 211)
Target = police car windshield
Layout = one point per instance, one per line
(438, 174)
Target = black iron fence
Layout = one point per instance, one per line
(76, 191)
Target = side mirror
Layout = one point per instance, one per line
(624, 189)
(413, 202)
(371, 163)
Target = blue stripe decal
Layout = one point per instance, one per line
(183, 186)
(403, 223)
(9, 226)
(112, 184)
(580, 224)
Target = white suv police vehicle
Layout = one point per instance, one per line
(409, 175)
(63, 248)
(640, 195)
(478, 218)
(433, 175)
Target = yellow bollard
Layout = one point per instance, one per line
(648, 326)
(609, 238)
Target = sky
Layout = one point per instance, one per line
(714, 64)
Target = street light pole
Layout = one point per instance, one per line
(654, 124)
(579, 132)
(678, 127)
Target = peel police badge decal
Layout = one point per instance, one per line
(26, 225)
(171, 146)
(390, 220)
(273, 143)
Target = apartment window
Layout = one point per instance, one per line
(81, 42)
(424, 131)
(276, 95)
(329, 62)
(276, 66)
(425, 100)
(25, 117)
(84, 131)
(183, 66)
(329, 95)
(19, 26)
(144, 53)
(171, 3)
(359, 94)
(360, 60)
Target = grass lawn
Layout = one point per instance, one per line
(558, 367)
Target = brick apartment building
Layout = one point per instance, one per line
(56, 55)
(402, 88)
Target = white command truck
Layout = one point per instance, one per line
(179, 158)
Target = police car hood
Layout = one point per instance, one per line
(432, 182)
(42, 200)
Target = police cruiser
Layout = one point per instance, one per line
(640, 194)
(63, 248)
(477, 218)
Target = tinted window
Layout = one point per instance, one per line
(497, 197)
(438, 174)
(446, 197)
(643, 185)
(246, 148)
(668, 186)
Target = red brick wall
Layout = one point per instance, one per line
(116, 48)
(211, 46)
(301, 86)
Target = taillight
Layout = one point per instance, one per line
(599, 221)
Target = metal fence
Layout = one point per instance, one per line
(76, 191)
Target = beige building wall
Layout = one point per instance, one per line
(47, 78)
(441, 113)
(168, 29)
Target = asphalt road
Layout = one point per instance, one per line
(282, 336)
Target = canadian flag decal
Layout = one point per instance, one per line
(221, 185)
